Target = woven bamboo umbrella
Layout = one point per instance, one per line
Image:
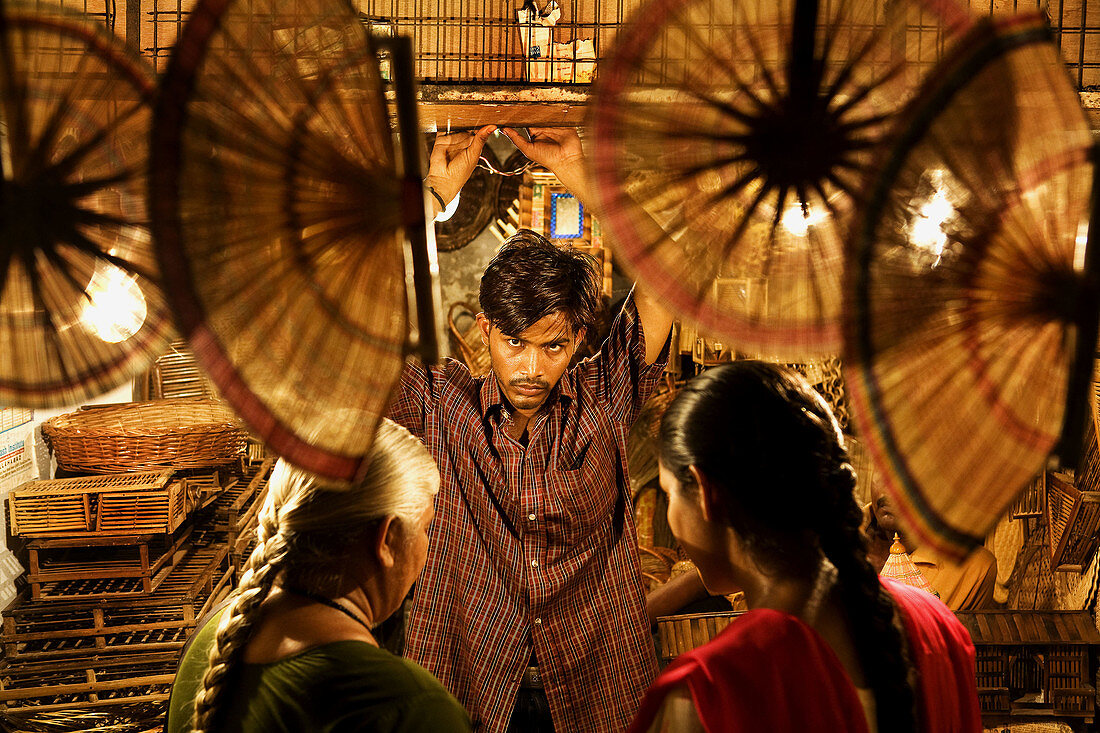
(278, 217)
(731, 140)
(80, 310)
(971, 289)
(900, 567)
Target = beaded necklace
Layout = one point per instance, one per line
(331, 604)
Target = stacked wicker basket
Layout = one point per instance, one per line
(123, 557)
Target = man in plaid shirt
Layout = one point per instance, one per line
(530, 608)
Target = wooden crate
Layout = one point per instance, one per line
(244, 520)
(64, 507)
(237, 500)
(195, 578)
(204, 489)
(1032, 501)
(54, 563)
(86, 683)
(208, 571)
(143, 512)
(236, 512)
(122, 587)
(1073, 519)
(155, 630)
(157, 622)
(175, 375)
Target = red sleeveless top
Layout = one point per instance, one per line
(769, 671)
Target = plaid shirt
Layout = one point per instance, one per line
(535, 548)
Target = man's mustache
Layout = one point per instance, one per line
(528, 384)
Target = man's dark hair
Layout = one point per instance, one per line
(530, 278)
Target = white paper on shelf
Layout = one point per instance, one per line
(536, 34)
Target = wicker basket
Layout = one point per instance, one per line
(474, 353)
(142, 436)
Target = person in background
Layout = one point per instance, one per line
(761, 498)
(531, 607)
(293, 650)
(965, 586)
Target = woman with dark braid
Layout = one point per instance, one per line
(761, 497)
(294, 649)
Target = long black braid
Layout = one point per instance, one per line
(772, 444)
(878, 639)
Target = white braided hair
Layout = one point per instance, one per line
(306, 528)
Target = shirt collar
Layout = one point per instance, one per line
(923, 557)
(492, 398)
(490, 393)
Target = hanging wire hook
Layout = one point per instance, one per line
(484, 163)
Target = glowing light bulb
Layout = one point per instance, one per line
(115, 308)
(798, 220)
(926, 229)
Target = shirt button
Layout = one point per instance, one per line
(534, 563)
(531, 517)
(538, 622)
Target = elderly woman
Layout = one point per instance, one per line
(294, 650)
(761, 497)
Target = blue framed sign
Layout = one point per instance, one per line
(566, 217)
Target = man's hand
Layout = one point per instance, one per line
(453, 159)
(558, 149)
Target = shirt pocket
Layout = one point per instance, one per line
(584, 499)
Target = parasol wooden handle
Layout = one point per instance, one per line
(1086, 329)
(422, 268)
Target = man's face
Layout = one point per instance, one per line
(883, 509)
(528, 365)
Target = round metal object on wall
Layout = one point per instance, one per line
(277, 216)
(81, 311)
(731, 141)
(964, 283)
(475, 209)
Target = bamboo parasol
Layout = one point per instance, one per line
(80, 310)
(279, 216)
(743, 129)
(900, 567)
(969, 285)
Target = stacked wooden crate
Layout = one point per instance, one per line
(121, 568)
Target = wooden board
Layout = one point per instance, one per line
(442, 108)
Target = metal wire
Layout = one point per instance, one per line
(484, 164)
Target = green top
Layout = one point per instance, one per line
(341, 686)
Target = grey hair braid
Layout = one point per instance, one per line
(263, 567)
